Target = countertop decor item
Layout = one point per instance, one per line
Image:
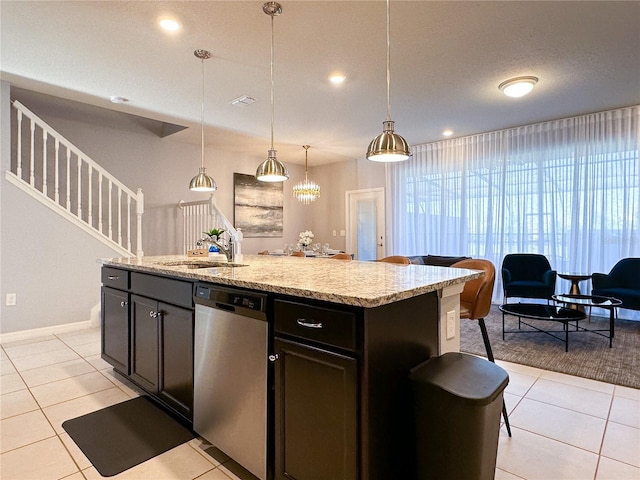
(202, 182)
(388, 146)
(272, 169)
(307, 190)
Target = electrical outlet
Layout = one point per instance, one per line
(451, 324)
(334, 233)
(342, 233)
(11, 299)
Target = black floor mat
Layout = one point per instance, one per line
(119, 437)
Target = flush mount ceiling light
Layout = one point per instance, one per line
(306, 191)
(388, 146)
(118, 99)
(518, 87)
(272, 170)
(202, 182)
(447, 133)
(170, 24)
(337, 78)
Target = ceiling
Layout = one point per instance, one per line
(447, 59)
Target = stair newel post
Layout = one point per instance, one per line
(68, 178)
(100, 202)
(139, 212)
(110, 209)
(79, 186)
(90, 194)
(129, 222)
(32, 164)
(19, 146)
(57, 171)
(45, 136)
(119, 216)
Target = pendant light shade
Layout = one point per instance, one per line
(306, 191)
(388, 146)
(202, 182)
(272, 169)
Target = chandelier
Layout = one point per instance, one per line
(306, 191)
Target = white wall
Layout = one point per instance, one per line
(52, 267)
(334, 180)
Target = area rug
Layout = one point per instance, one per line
(589, 355)
(124, 435)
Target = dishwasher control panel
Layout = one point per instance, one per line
(230, 299)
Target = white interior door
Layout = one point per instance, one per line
(365, 223)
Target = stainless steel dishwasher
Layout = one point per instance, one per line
(230, 374)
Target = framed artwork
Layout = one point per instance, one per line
(257, 206)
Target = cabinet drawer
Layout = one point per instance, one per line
(322, 325)
(170, 290)
(115, 278)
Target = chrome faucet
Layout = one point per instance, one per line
(227, 251)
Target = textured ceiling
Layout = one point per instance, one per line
(447, 59)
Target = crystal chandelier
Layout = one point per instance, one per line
(307, 190)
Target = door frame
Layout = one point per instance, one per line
(350, 237)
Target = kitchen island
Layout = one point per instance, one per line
(338, 400)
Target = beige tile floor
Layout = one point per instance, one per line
(563, 427)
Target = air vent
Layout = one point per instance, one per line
(243, 101)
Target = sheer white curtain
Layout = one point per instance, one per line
(569, 189)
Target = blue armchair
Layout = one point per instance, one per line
(622, 282)
(527, 275)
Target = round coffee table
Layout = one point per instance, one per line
(582, 301)
(538, 311)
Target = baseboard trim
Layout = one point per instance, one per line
(39, 332)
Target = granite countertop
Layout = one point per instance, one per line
(364, 284)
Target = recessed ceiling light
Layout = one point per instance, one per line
(518, 87)
(170, 24)
(447, 133)
(337, 78)
(118, 99)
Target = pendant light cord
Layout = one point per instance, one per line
(388, 68)
(202, 117)
(306, 161)
(272, 107)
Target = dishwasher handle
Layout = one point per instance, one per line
(224, 306)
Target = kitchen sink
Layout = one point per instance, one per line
(194, 264)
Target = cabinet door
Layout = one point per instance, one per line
(115, 328)
(316, 414)
(145, 342)
(176, 384)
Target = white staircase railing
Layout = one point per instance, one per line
(59, 175)
(201, 216)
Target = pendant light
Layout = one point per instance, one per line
(306, 191)
(272, 170)
(388, 146)
(202, 182)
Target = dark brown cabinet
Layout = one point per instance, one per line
(147, 334)
(115, 328)
(343, 406)
(316, 389)
(316, 414)
(162, 351)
